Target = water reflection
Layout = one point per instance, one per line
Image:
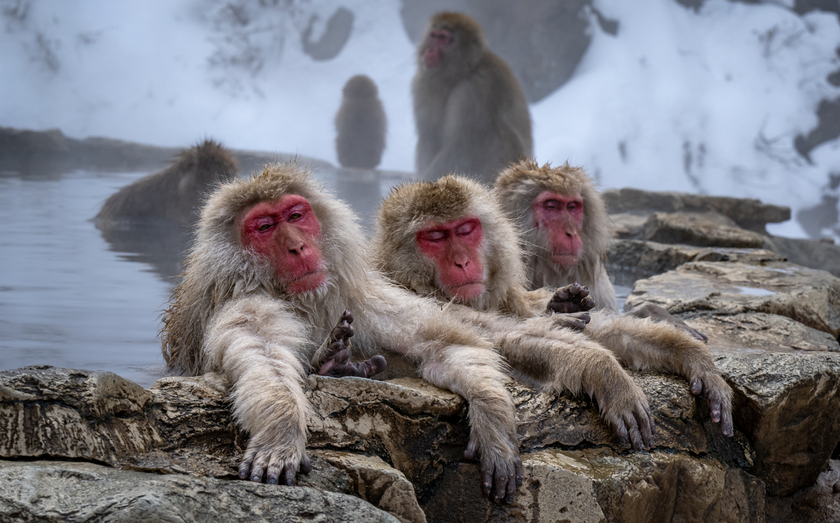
(73, 296)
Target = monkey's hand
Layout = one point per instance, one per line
(269, 458)
(333, 357)
(501, 469)
(625, 409)
(711, 385)
(657, 313)
(571, 298)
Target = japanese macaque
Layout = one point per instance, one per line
(566, 232)
(360, 125)
(451, 240)
(470, 113)
(276, 262)
(173, 195)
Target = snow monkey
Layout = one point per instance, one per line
(276, 261)
(566, 233)
(451, 240)
(470, 113)
(172, 195)
(360, 125)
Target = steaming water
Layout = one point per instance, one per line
(69, 298)
(65, 298)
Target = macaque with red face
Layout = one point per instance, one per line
(469, 109)
(449, 240)
(276, 262)
(567, 232)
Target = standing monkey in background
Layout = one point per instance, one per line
(451, 240)
(360, 125)
(276, 261)
(470, 113)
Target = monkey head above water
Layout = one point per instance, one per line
(276, 262)
(469, 109)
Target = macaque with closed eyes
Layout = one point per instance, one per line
(276, 262)
(450, 240)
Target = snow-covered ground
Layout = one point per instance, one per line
(707, 101)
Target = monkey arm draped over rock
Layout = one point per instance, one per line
(566, 232)
(449, 240)
(469, 109)
(275, 263)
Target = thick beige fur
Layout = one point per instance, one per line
(230, 315)
(639, 343)
(540, 350)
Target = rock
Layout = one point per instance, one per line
(818, 503)
(599, 485)
(747, 213)
(786, 398)
(631, 260)
(96, 416)
(391, 443)
(809, 296)
(701, 229)
(62, 491)
(808, 253)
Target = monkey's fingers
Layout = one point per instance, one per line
(646, 425)
(346, 316)
(337, 361)
(373, 366)
(246, 466)
(587, 304)
(305, 464)
(633, 432)
(726, 426)
(515, 480)
(574, 288)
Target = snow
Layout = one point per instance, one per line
(705, 101)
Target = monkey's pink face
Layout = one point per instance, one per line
(560, 217)
(287, 232)
(438, 40)
(456, 249)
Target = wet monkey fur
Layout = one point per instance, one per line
(276, 262)
(566, 233)
(469, 110)
(172, 195)
(449, 240)
(360, 125)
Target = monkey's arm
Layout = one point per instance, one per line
(563, 361)
(259, 345)
(657, 313)
(643, 344)
(451, 355)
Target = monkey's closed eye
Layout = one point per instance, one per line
(433, 236)
(551, 204)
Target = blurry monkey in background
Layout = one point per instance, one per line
(469, 109)
(173, 195)
(360, 125)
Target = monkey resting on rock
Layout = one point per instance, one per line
(450, 240)
(277, 259)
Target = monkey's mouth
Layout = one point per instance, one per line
(565, 259)
(307, 282)
(466, 291)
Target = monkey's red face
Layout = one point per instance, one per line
(456, 249)
(560, 217)
(287, 232)
(438, 40)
